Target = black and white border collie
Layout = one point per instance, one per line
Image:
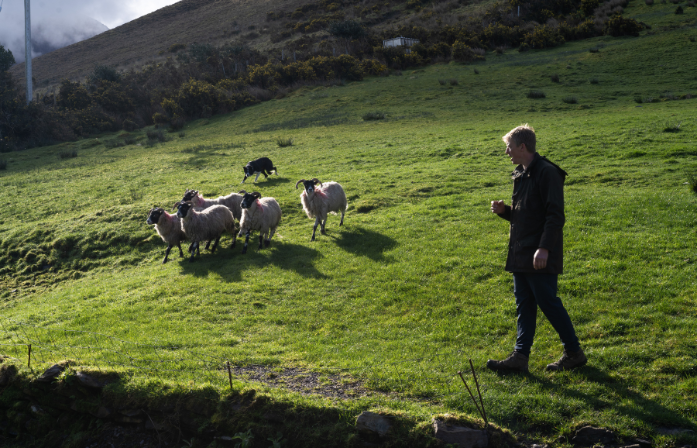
(259, 166)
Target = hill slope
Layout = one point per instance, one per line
(413, 284)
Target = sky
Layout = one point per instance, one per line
(57, 23)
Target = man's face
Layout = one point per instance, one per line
(518, 153)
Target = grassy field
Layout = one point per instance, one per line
(413, 284)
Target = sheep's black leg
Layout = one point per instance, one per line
(267, 243)
(169, 247)
(261, 241)
(314, 229)
(181, 253)
(194, 246)
(322, 231)
(342, 218)
(246, 242)
(208, 244)
(234, 238)
(191, 247)
(215, 245)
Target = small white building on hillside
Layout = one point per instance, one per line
(400, 41)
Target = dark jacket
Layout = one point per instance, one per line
(536, 214)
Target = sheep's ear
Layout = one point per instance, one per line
(256, 194)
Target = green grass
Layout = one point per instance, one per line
(413, 284)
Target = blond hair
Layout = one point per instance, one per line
(522, 134)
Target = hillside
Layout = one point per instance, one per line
(235, 22)
(387, 308)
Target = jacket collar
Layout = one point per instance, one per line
(519, 171)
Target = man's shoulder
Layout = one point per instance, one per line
(547, 167)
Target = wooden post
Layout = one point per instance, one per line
(29, 356)
(229, 374)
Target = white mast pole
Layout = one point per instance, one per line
(27, 48)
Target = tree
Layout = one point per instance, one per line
(7, 59)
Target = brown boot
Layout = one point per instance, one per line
(568, 361)
(516, 361)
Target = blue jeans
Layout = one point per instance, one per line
(531, 291)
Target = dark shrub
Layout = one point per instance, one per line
(554, 78)
(156, 136)
(176, 124)
(594, 50)
(453, 82)
(536, 94)
(3, 164)
(176, 47)
(67, 154)
(129, 125)
(570, 100)
(104, 73)
(679, 10)
(476, 72)
(371, 116)
(593, 81)
(442, 82)
(648, 2)
(619, 26)
(372, 67)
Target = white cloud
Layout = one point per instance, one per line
(60, 23)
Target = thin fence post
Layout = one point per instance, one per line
(229, 373)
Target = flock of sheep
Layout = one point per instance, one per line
(199, 219)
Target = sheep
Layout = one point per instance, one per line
(205, 225)
(231, 201)
(262, 214)
(169, 228)
(317, 202)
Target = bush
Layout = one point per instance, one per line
(554, 78)
(442, 82)
(672, 127)
(67, 154)
(593, 81)
(543, 37)
(464, 53)
(453, 82)
(104, 73)
(619, 26)
(3, 164)
(284, 142)
(536, 94)
(570, 100)
(594, 50)
(372, 67)
(679, 10)
(156, 136)
(648, 2)
(371, 116)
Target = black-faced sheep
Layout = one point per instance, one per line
(231, 201)
(169, 228)
(205, 225)
(262, 214)
(319, 201)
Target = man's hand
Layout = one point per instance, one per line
(539, 261)
(498, 207)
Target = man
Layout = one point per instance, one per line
(535, 251)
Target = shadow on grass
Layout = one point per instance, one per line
(262, 183)
(366, 243)
(639, 407)
(231, 263)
